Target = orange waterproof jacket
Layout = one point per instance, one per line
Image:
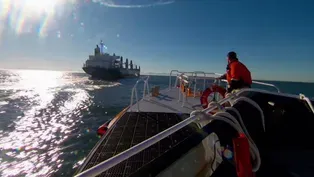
(239, 71)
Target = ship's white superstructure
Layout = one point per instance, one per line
(103, 61)
(104, 65)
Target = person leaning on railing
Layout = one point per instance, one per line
(237, 75)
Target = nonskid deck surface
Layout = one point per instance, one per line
(131, 129)
(168, 101)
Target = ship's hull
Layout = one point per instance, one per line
(107, 74)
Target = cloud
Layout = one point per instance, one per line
(133, 3)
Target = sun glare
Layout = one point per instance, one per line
(23, 16)
(37, 6)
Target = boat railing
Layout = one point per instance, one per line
(308, 101)
(185, 79)
(261, 83)
(190, 74)
(178, 73)
(170, 76)
(267, 84)
(134, 91)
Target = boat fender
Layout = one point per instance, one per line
(242, 156)
(210, 90)
(103, 128)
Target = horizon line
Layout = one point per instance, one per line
(152, 74)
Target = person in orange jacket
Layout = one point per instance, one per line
(237, 75)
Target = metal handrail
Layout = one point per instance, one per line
(185, 78)
(180, 73)
(180, 76)
(146, 88)
(194, 74)
(201, 72)
(176, 82)
(261, 83)
(219, 74)
(170, 75)
(267, 84)
(308, 101)
(255, 82)
(205, 78)
(179, 90)
(134, 90)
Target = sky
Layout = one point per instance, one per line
(274, 38)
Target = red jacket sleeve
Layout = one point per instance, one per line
(235, 72)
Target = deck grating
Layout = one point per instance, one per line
(131, 129)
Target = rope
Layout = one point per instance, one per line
(214, 103)
(253, 148)
(253, 103)
(239, 127)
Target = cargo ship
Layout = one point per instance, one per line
(104, 66)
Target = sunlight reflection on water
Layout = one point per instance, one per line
(52, 108)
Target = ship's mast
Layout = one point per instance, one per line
(131, 64)
(127, 64)
(121, 62)
(101, 47)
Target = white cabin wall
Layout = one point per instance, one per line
(96, 63)
(107, 61)
(103, 61)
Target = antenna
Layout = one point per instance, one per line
(101, 47)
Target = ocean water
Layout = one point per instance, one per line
(49, 119)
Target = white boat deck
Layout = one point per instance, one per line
(167, 101)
